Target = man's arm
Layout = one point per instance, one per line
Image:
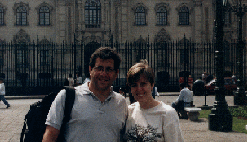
(50, 134)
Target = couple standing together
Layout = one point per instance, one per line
(102, 115)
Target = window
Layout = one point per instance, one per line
(92, 14)
(45, 56)
(1, 16)
(184, 16)
(44, 16)
(184, 51)
(140, 16)
(21, 16)
(1, 54)
(140, 46)
(162, 55)
(162, 16)
(22, 55)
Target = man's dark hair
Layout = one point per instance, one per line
(106, 53)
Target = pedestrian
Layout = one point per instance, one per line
(2, 93)
(99, 113)
(71, 80)
(149, 119)
(185, 98)
(78, 79)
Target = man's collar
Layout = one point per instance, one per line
(93, 95)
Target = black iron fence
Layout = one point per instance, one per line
(41, 67)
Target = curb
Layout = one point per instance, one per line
(24, 97)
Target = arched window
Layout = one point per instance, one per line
(184, 16)
(1, 16)
(22, 55)
(44, 16)
(162, 16)
(45, 55)
(92, 14)
(140, 16)
(21, 16)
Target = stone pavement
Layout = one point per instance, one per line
(11, 121)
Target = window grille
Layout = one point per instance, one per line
(21, 16)
(140, 16)
(162, 16)
(184, 16)
(92, 14)
(44, 16)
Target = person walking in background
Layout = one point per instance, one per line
(158, 121)
(2, 93)
(71, 80)
(99, 114)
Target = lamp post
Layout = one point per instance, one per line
(75, 43)
(186, 72)
(220, 118)
(239, 96)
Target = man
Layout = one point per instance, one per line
(98, 114)
(185, 98)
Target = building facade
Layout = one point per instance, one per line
(92, 22)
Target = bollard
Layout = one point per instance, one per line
(205, 94)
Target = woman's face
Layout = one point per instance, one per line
(142, 89)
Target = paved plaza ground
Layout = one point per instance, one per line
(11, 121)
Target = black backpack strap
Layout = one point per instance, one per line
(69, 102)
(23, 131)
(70, 98)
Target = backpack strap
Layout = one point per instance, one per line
(70, 98)
(69, 102)
(23, 131)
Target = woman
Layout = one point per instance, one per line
(149, 119)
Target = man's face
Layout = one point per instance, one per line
(103, 74)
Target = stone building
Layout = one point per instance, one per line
(126, 20)
(96, 21)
